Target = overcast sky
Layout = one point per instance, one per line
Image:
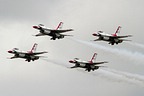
(123, 75)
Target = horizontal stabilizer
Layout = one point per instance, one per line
(37, 53)
(12, 57)
(66, 35)
(126, 40)
(97, 63)
(101, 66)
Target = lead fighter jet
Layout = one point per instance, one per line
(113, 38)
(54, 33)
(30, 55)
(88, 65)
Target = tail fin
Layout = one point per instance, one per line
(34, 48)
(93, 58)
(117, 31)
(59, 26)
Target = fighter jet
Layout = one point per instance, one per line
(54, 33)
(112, 39)
(88, 65)
(30, 55)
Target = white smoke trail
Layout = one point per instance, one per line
(123, 52)
(109, 74)
(60, 63)
(136, 44)
(119, 76)
(127, 75)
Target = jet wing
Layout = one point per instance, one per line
(61, 31)
(65, 35)
(36, 53)
(116, 36)
(97, 63)
(121, 36)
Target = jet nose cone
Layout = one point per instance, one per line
(94, 34)
(36, 27)
(9, 51)
(71, 61)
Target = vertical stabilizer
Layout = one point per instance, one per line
(117, 31)
(93, 58)
(59, 26)
(34, 48)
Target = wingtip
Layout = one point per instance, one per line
(106, 62)
(130, 35)
(34, 35)
(45, 52)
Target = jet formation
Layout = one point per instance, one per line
(57, 33)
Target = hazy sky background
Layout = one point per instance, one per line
(123, 75)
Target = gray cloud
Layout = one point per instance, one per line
(85, 17)
(25, 10)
